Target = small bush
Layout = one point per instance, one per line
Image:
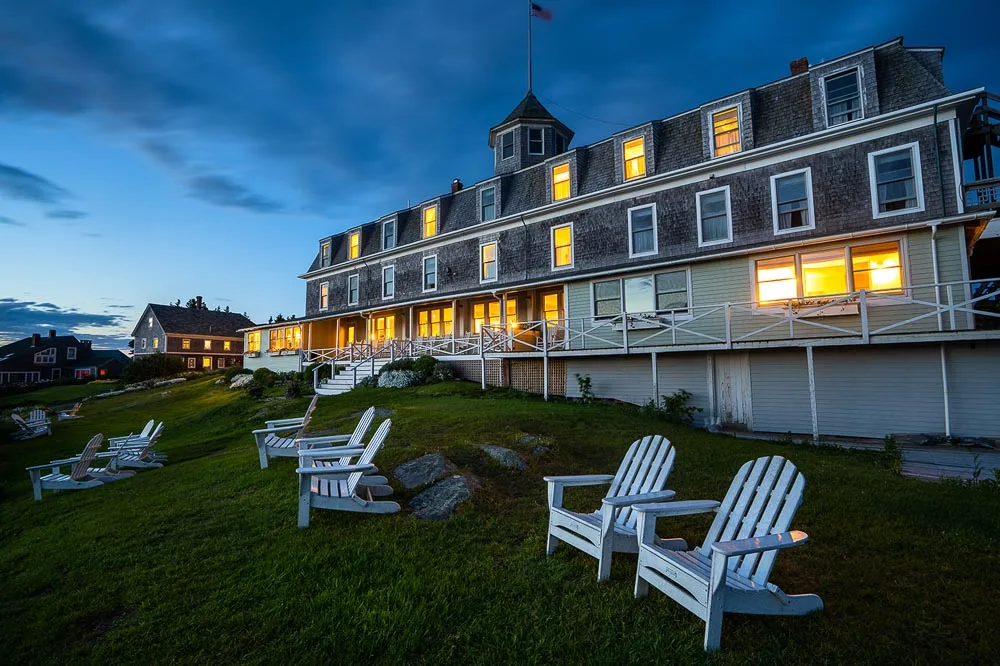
(425, 365)
(371, 381)
(675, 408)
(152, 366)
(254, 390)
(293, 390)
(399, 364)
(442, 372)
(324, 371)
(586, 391)
(400, 379)
(264, 377)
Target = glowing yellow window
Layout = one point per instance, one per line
(776, 280)
(423, 329)
(208, 344)
(185, 343)
(726, 132)
(430, 221)
(485, 314)
(562, 246)
(206, 362)
(355, 244)
(446, 321)
(156, 343)
(253, 341)
(297, 337)
(824, 273)
(560, 182)
(635, 158)
(227, 345)
(385, 328)
(877, 267)
(550, 307)
(511, 313)
(435, 322)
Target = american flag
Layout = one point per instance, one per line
(541, 12)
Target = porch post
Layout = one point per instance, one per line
(454, 323)
(545, 359)
(309, 338)
(336, 342)
(710, 373)
(656, 380)
(812, 393)
(944, 385)
(409, 324)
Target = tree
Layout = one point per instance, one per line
(227, 309)
(131, 343)
(177, 303)
(278, 318)
(193, 304)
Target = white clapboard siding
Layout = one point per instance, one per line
(620, 377)
(974, 389)
(780, 385)
(687, 372)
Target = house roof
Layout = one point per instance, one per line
(529, 109)
(24, 345)
(177, 319)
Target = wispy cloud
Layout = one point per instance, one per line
(23, 185)
(11, 223)
(93, 235)
(222, 191)
(66, 214)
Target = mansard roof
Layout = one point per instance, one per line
(530, 109)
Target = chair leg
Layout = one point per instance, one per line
(604, 561)
(305, 494)
(262, 452)
(36, 485)
(551, 543)
(607, 542)
(641, 584)
(716, 594)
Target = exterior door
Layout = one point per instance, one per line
(733, 405)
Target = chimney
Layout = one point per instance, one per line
(197, 302)
(800, 66)
(456, 185)
(36, 339)
(52, 333)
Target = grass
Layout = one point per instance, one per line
(55, 395)
(201, 561)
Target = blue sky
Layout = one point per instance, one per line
(156, 151)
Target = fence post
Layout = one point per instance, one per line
(810, 366)
(863, 303)
(951, 307)
(791, 321)
(673, 329)
(729, 325)
(482, 360)
(316, 376)
(625, 331)
(545, 358)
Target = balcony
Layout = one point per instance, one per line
(982, 195)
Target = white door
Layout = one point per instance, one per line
(732, 390)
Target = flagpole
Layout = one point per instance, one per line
(529, 45)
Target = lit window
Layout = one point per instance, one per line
(560, 182)
(388, 282)
(485, 314)
(726, 132)
(487, 203)
(550, 308)
(156, 343)
(562, 246)
(206, 362)
(430, 221)
(70, 353)
(354, 245)
(877, 267)
(102, 372)
(150, 320)
(776, 280)
(385, 328)
(324, 295)
(352, 290)
(642, 231)
(791, 195)
(507, 145)
(535, 144)
(430, 273)
(221, 363)
(226, 345)
(843, 98)
(186, 343)
(192, 362)
(714, 223)
(253, 341)
(324, 254)
(388, 234)
(434, 323)
(208, 344)
(897, 183)
(634, 152)
(511, 313)
(607, 298)
(488, 262)
(823, 273)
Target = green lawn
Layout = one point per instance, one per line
(202, 560)
(55, 395)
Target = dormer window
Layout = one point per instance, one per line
(560, 182)
(488, 204)
(634, 153)
(726, 132)
(354, 246)
(430, 221)
(324, 254)
(843, 98)
(507, 145)
(389, 234)
(536, 145)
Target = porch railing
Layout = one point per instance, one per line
(982, 194)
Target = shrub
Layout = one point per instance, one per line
(255, 390)
(324, 371)
(400, 379)
(425, 365)
(371, 381)
(442, 372)
(586, 392)
(293, 390)
(264, 377)
(234, 370)
(675, 408)
(152, 366)
(398, 364)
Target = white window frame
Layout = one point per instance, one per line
(143, 343)
(220, 363)
(324, 285)
(711, 129)
(391, 221)
(496, 204)
(914, 148)
(151, 322)
(437, 221)
(156, 343)
(349, 235)
(390, 267)
(513, 150)
(356, 277)
(645, 164)
(70, 353)
(809, 198)
(656, 240)
(207, 345)
(729, 217)
(423, 274)
(325, 254)
(540, 129)
(496, 262)
(621, 291)
(552, 181)
(572, 246)
(46, 356)
(192, 363)
(861, 95)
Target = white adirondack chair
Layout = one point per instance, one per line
(147, 430)
(140, 454)
(729, 572)
(339, 486)
(278, 441)
(68, 414)
(641, 477)
(27, 430)
(38, 416)
(81, 475)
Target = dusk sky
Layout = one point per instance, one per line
(155, 151)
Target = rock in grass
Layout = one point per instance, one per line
(506, 457)
(424, 469)
(240, 381)
(438, 501)
(379, 413)
(528, 439)
(539, 451)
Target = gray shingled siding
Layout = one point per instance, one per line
(148, 333)
(568, 157)
(865, 62)
(841, 195)
(782, 111)
(932, 61)
(678, 142)
(902, 81)
(742, 102)
(596, 166)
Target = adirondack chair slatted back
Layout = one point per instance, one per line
(148, 428)
(76, 408)
(644, 469)
(359, 432)
(79, 469)
(36, 415)
(307, 417)
(761, 500)
(377, 440)
(155, 437)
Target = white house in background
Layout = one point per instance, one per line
(277, 347)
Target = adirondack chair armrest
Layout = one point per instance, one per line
(52, 465)
(276, 429)
(309, 441)
(760, 544)
(629, 500)
(582, 480)
(332, 452)
(284, 422)
(686, 508)
(335, 470)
